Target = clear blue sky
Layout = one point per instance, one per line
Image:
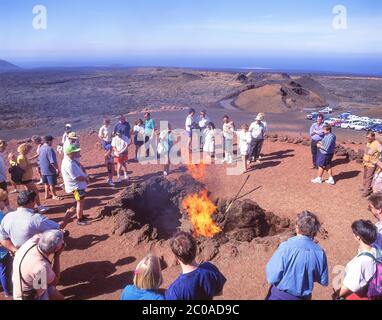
(296, 34)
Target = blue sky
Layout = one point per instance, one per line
(215, 33)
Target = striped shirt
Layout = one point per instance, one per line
(328, 144)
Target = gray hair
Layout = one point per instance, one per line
(50, 240)
(308, 224)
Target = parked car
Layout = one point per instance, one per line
(359, 126)
(326, 110)
(312, 116)
(345, 115)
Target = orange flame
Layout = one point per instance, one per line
(200, 210)
(197, 171)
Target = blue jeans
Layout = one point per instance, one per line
(6, 274)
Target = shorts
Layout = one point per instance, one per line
(24, 183)
(79, 195)
(123, 158)
(105, 144)
(50, 180)
(3, 186)
(324, 160)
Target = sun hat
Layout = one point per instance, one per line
(73, 136)
(72, 149)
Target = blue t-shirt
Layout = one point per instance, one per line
(124, 127)
(46, 159)
(3, 251)
(202, 284)
(134, 293)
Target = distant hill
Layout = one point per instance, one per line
(6, 66)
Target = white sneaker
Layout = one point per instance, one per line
(318, 180)
(40, 183)
(42, 209)
(331, 181)
(126, 177)
(165, 173)
(111, 183)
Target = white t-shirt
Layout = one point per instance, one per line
(71, 170)
(203, 122)
(257, 130)
(228, 130)
(105, 133)
(360, 270)
(189, 123)
(120, 144)
(245, 139)
(209, 141)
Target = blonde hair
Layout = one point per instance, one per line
(24, 148)
(148, 274)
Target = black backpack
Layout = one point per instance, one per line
(16, 174)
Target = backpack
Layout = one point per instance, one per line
(16, 174)
(374, 290)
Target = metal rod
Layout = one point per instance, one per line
(241, 189)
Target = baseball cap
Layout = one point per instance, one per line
(72, 149)
(73, 136)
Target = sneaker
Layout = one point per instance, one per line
(40, 183)
(126, 177)
(165, 173)
(318, 180)
(42, 209)
(82, 222)
(111, 183)
(66, 233)
(330, 181)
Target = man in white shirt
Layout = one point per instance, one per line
(190, 125)
(106, 133)
(75, 180)
(204, 120)
(68, 129)
(120, 144)
(257, 130)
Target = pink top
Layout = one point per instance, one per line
(36, 270)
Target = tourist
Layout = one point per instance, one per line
(19, 226)
(37, 140)
(245, 142)
(122, 126)
(197, 282)
(325, 153)
(3, 173)
(316, 134)
(375, 207)
(203, 122)
(166, 142)
(147, 281)
(361, 269)
(190, 126)
(149, 132)
(139, 136)
(109, 162)
(105, 133)
(265, 124)
(75, 181)
(5, 257)
(257, 130)
(12, 159)
(298, 263)
(27, 177)
(228, 133)
(49, 168)
(72, 139)
(377, 180)
(38, 261)
(120, 144)
(68, 129)
(209, 141)
(370, 161)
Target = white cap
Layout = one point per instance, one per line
(68, 125)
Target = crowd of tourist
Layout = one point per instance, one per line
(31, 244)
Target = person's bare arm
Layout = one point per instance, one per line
(7, 244)
(69, 214)
(344, 292)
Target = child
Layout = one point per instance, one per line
(139, 136)
(245, 139)
(209, 142)
(109, 161)
(12, 163)
(5, 257)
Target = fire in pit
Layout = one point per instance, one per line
(200, 210)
